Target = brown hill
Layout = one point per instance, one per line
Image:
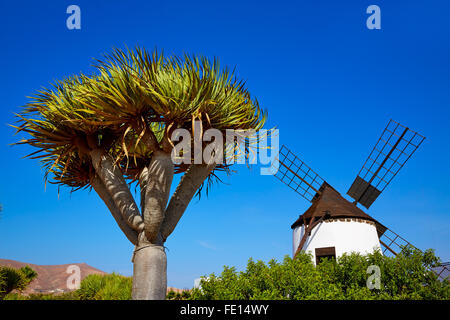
(51, 278)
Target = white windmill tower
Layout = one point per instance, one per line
(333, 225)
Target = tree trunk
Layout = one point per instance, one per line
(149, 271)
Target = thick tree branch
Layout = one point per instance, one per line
(116, 185)
(186, 189)
(159, 177)
(101, 190)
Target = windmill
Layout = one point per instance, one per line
(332, 225)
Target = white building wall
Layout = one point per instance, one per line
(345, 236)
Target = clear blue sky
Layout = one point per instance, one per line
(330, 85)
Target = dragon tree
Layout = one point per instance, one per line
(115, 128)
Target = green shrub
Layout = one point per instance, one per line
(171, 295)
(15, 296)
(15, 279)
(406, 276)
(29, 273)
(2, 282)
(105, 287)
(183, 295)
(43, 296)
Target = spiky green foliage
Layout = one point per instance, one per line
(105, 287)
(15, 279)
(131, 89)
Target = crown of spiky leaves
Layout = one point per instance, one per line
(131, 86)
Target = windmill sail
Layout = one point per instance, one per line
(395, 146)
(393, 243)
(442, 271)
(297, 175)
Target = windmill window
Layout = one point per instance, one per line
(326, 252)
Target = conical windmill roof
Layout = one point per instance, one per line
(331, 205)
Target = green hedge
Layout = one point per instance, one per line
(406, 276)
